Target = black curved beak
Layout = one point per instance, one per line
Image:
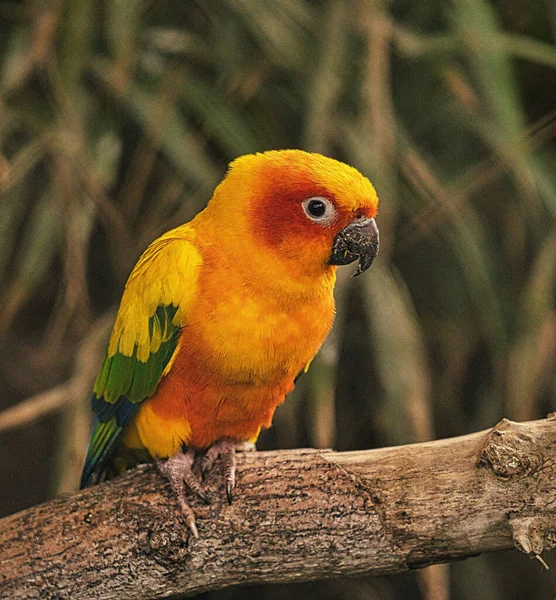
(357, 241)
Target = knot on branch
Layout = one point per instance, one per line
(510, 451)
(533, 535)
(164, 541)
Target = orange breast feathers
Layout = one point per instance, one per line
(260, 300)
(236, 360)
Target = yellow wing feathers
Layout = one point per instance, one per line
(165, 275)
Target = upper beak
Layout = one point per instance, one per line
(356, 241)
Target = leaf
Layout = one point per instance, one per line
(400, 356)
(531, 360)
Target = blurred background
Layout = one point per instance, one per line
(117, 120)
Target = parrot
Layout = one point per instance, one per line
(221, 314)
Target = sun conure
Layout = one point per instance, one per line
(221, 314)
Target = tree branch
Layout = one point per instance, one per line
(297, 515)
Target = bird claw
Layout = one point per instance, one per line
(193, 527)
(208, 459)
(229, 488)
(189, 516)
(178, 469)
(229, 463)
(226, 450)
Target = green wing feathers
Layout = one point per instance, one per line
(122, 384)
(128, 376)
(143, 341)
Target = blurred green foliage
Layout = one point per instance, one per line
(118, 118)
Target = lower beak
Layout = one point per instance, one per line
(356, 241)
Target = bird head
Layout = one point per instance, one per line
(311, 212)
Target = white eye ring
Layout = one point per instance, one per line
(319, 209)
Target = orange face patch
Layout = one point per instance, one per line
(282, 181)
(278, 219)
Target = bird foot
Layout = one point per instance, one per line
(178, 469)
(226, 450)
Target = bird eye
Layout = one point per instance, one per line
(320, 209)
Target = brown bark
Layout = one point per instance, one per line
(297, 515)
